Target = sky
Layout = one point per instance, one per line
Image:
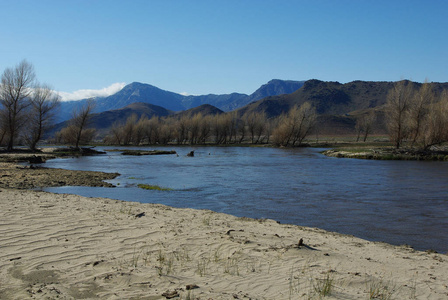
(85, 48)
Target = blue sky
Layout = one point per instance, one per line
(202, 47)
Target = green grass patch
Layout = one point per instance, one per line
(153, 187)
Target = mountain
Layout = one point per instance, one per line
(140, 92)
(229, 102)
(145, 93)
(328, 97)
(225, 102)
(337, 105)
(104, 120)
(204, 110)
(276, 87)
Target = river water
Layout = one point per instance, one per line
(398, 202)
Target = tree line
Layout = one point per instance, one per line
(228, 128)
(27, 108)
(417, 116)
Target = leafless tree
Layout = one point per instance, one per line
(204, 129)
(194, 127)
(221, 124)
(128, 129)
(165, 133)
(2, 132)
(152, 130)
(397, 111)
(115, 135)
(434, 129)
(419, 109)
(182, 129)
(295, 126)
(139, 132)
(256, 123)
(364, 124)
(271, 124)
(241, 130)
(80, 121)
(44, 104)
(15, 89)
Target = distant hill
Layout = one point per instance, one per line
(332, 98)
(204, 109)
(140, 92)
(145, 93)
(338, 105)
(276, 87)
(104, 120)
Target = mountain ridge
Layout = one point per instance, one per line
(146, 93)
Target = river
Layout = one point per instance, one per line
(398, 202)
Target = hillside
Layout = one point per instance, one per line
(332, 98)
(104, 120)
(204, 110)
(145, 93)
(338, 105)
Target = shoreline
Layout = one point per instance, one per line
(69, 246)
(60, 245)
(387, 154)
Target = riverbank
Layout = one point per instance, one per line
(25, 177)
(71, 247)
(388, 154)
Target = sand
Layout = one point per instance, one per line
(57, 246)
(23, 177)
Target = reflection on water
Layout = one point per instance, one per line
(399, 202)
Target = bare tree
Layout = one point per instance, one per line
(204, 129)
(295, 126)
(128, 130)
(397, 111)
(182, 129)
(152, 130)
(241, 130)
(2, 131)
(44, 103)
(194, 128)
(80, 121)
(419, 109)
(15, 88)
(364, 124)
(115, 134)
(305, 119)
(271, 124)
(139, 132)
(256, 125)
(221, 128)
(434, 129)
(165, 133)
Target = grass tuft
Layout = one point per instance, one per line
(153, 187)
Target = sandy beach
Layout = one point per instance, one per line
(57, 246)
